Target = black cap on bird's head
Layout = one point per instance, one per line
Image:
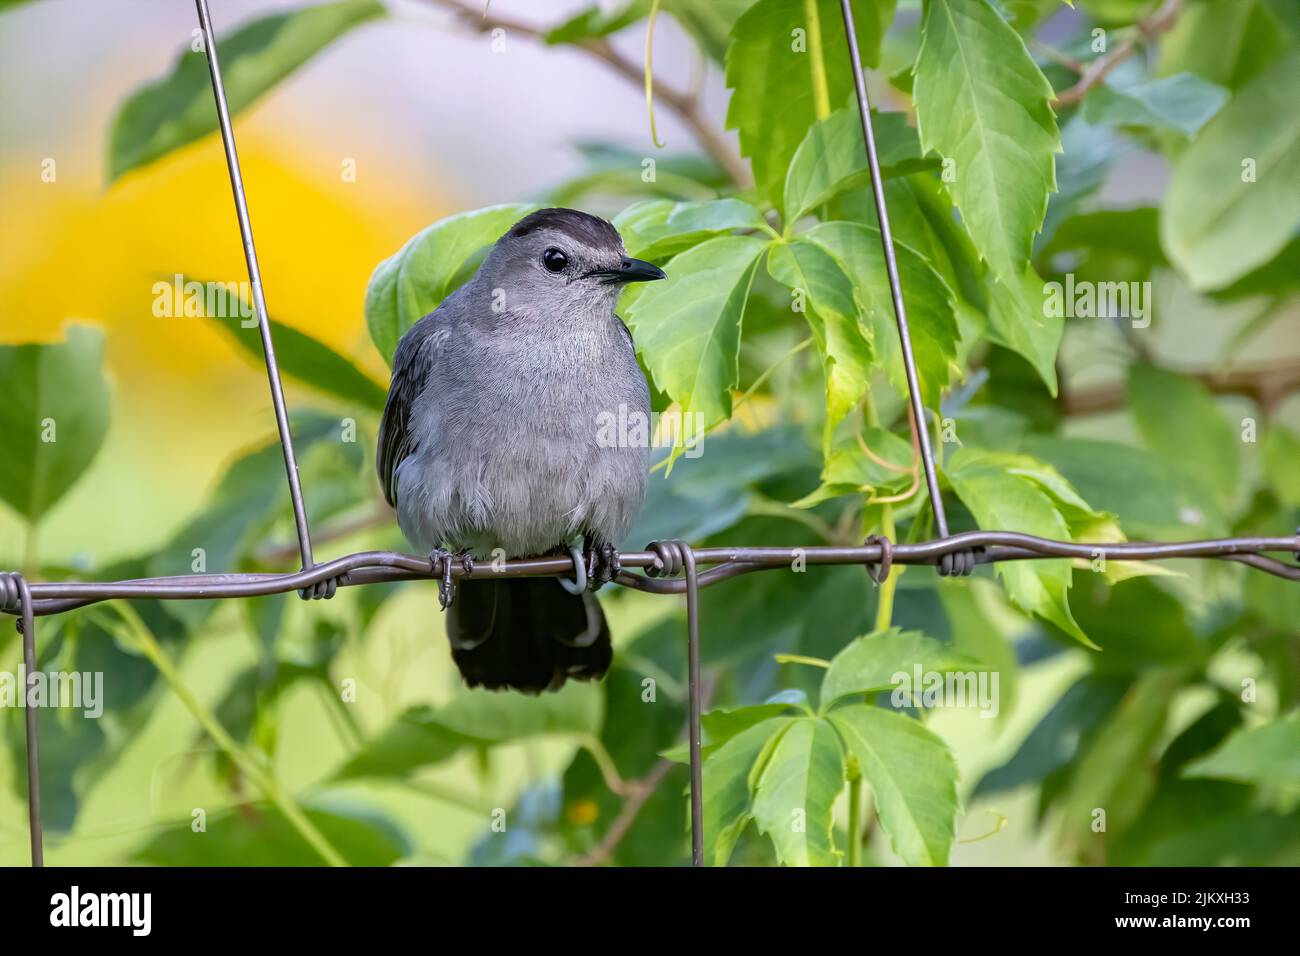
(569, 246)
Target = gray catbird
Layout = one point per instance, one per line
(492, 438)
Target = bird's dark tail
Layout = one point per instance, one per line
(526, 633)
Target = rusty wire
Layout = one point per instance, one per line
(661, 562)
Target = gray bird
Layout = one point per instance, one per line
(491, 439)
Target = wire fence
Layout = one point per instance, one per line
(668, 567)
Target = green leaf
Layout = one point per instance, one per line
(722, 723)
(412, 283)
(848, 469)
(1024, 319)
(929, 303)
(1267, 755)
(1281, 452)
(1180, 104)
(593, 23)
(796, 791)
(178, 109)
(708, 21)
(1151, 497)
(982, 102)
(1106, 245)
(1221, 219)
(658, 228)
(1057, 738)
(1003, 501)
(874, 662)
(833, 316)
(687, 328)
(1181, 423)
(299, 355)
(769, 69)
(832, 158)
(726, 790)
(424, 736)
(260, 835)
(1137, 625)
(243, 507)
(913, 776)
(1228, 42)
(1116, 769)
(53, 415)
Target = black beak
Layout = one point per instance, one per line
(631, 270)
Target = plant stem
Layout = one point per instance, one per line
(855, 819)
(885, 597)
(885, 604)
(248, 764)
(821, 89)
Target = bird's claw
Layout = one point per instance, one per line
(446, 583)
(602, 565)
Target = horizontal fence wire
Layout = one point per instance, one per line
(661, 562)
(723, 562)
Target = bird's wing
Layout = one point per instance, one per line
(411, 367)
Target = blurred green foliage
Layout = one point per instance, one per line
(1175, 740)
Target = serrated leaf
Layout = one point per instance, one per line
(1021, 319)
(1180, 104)
(53, 416)
(1008, 502)
(912, 775)
(658, 228)
(832, 311)
(687, 327)
(769, 68)
(873, 663)
(410, 284)
(178, 109)
(1267, 755)
(794, 796)
(832, 158)
(982, 102)
(929, 303)
(726, 790)
(1234, 197)
(1181, 423)
(848, 469)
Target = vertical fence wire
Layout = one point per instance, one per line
(27, 626)
(920, 426)
(662, 558)
(255, 280)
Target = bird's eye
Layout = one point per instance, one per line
(554, 260)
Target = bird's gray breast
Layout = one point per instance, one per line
(528, 437)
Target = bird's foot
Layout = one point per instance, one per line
(322, 590)
(602, 564)
(446, 583)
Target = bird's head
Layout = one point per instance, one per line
(561, 261)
